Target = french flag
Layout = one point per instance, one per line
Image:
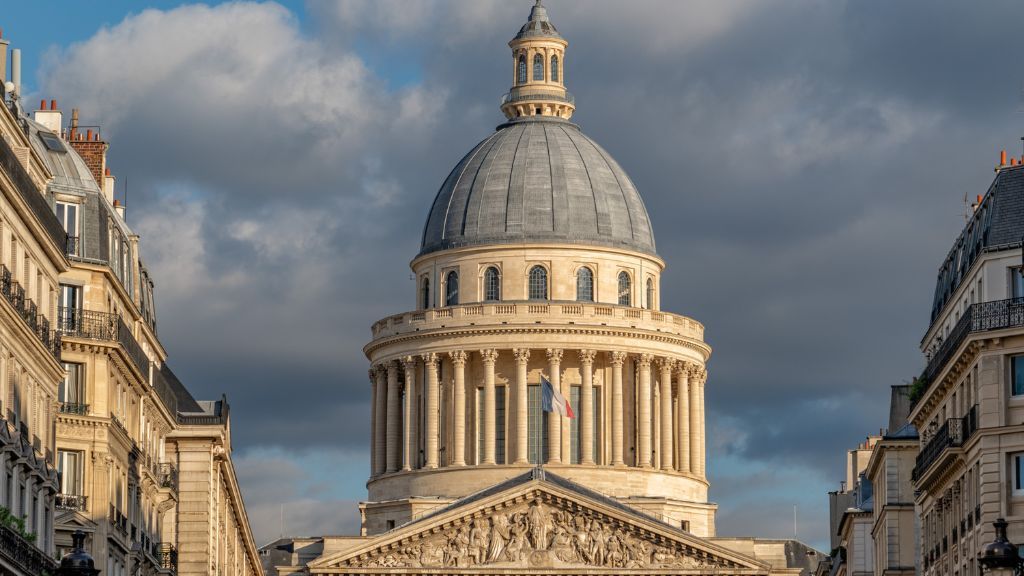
(553, 401)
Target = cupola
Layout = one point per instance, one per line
(538, 70)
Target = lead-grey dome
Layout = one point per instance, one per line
(538, 180)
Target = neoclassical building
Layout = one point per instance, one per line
(538, 261)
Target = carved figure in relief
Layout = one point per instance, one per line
(501, 533)
(478, 541)
(518, 541)
(538, 518)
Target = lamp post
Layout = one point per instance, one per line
(78, 562)
(999, 557)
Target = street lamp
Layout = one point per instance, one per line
(78, 562)
(999, 557)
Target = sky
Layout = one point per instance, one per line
(804, 163)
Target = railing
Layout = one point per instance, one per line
(168, 556)
(75, 502)
(980, 317)
(73, 246)
(32, 560)
(162, 384)
(952, 434)
(32, 195)
(15, 294)
(103, 326)
(119, 425)
(520, 95)
(529, 312)
(74, 408)
(167, 476)
(118, 521)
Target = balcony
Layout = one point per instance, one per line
(74, 408)
(168, 557)
(953, 434)
(75, 323)
(118, 521)
(980, 317)
(75, 502)
(533, 312)
(167, 476)
(21, 552)
(521, 95)
(26, 309)
(73, 247)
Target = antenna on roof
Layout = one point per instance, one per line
(125, 200)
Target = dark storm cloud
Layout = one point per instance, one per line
(803, 163)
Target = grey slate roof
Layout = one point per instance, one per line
(538, 180)
(538, 25)
(997, 223)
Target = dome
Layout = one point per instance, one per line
(538, 180)
(538, 25)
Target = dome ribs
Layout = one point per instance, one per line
(517, 183)
(451, 222)
(485, 217)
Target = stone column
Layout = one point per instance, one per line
(683, 423)
(695, 429)
(431, 409)
(666, 412)
(554, 419)
(381, 411)
(587, 407)
(409, 447)
(489, 357)
(701, 379)
(617, 359)
(393, 418)
(522, 415)
(373, 429)
(643, 459)
(459, 362)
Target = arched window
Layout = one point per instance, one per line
(521, 71)
(492, 285)
(625, 290)
(538, 68)
(584, 285)
(554, 68)
(451, 289)
(650, 293)
(538, 283)
(425, 293)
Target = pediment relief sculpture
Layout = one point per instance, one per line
(539, 533)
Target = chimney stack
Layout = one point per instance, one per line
(119, 208)
(16, 71)
(49, 116)
(3, 58)
(108, 185)
(92, 149)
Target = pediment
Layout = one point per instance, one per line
(538, 527)
(73, 520)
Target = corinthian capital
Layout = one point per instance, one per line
(458, 357)
(410, 363)
(430, 359)
(683, 368)
(644, 360)
(554, 355)
(587, 357)
(617, 358)
(489, 356)
(522, 355)
(664, 363)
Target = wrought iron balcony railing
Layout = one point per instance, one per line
(103, 326)
(74, 408)
(75, 502)
(952, 434)
(26, 309)
(980, 317)
(167, 475)
(73, 246)
(168, 556)
(19, 551)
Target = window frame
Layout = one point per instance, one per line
(627, 291)
(1017, 476)
(538, 60)
(1017, 373)
(584, 284)
(425, 292)
(554, 68)
(521, 71)
(451, 295)
(530, 283)
(650, 293)
(486, 296)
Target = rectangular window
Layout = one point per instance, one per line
(537, 424)
(69, 465)
(1016, 283)
(71, 392)
(1017, 375)
(1018, 473)
(68, 216)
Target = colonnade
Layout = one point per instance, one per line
(665, 411)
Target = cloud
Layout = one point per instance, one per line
(803, 164)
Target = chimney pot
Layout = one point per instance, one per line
(979, 198)
(1002, 157)
(106, 171)
(53, 104)
(117, 203)
(88, 136)
(1013, 161)
(42, 104)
